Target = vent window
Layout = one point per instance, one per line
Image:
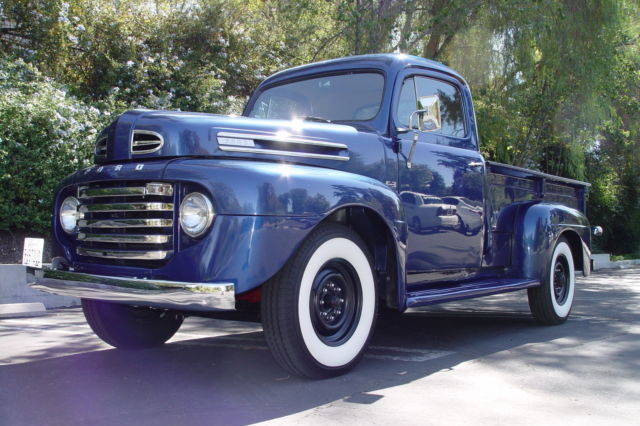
(146, 142)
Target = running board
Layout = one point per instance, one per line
(456, 291)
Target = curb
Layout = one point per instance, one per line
(20, 310)
(14, 289)
(603, 261)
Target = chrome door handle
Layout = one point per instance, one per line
(475, 164)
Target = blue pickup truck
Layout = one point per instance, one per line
(347, 187)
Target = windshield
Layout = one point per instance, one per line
(345, 97)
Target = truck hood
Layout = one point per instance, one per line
(141, 135)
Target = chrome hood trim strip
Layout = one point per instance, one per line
(282, 139)
(280, 152)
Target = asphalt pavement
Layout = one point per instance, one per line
(477, 362)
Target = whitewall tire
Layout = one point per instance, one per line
(551, 302)
(318, 313)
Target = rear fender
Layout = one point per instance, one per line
(537, 228)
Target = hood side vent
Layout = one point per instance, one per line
(101, 148)
(292, 146)
(145, 142)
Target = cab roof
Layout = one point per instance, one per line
(390, 62)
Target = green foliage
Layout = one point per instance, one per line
(45, 134)
(556, 82)
(612, 166)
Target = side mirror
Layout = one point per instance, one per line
(428, 120)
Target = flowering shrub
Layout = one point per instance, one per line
(45, 134)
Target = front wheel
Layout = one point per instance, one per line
(319, 311)
(130, 327)
(551, 303)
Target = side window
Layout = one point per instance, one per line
(451, 109)
(409, 198)
(407, 102)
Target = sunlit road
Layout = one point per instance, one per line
(478, 362)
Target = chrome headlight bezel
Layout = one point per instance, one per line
(206, 213)
(68, 214)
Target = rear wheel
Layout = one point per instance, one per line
(551, 302)
(318, 313)
(131, 327)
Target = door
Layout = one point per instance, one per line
(442, 192)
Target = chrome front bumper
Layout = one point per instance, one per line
(164, 294)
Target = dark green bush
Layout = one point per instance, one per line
(45, 134)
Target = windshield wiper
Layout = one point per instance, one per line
(316, 119)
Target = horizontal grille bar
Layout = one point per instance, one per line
(125, 207)
(84, 192)
(125, 238)
(125, 254)
(153, 188)
(126, 223)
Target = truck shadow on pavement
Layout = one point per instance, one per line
(233, 380)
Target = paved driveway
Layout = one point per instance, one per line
(478, 362)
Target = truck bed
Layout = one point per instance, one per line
(510, 184)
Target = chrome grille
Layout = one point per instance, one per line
(129, 223)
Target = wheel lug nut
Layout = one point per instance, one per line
(322, 302)
(338, 312)
(341, 300)
(324, 290)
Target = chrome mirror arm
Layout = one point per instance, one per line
(416, 133)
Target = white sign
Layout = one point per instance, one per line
(32, 253)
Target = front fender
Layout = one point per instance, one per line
(279, 189)
(268, 209)
(537, 229)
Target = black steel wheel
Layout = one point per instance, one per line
(561, 279)
(335, 302)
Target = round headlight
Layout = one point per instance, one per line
(69, 214)
(196, 214)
